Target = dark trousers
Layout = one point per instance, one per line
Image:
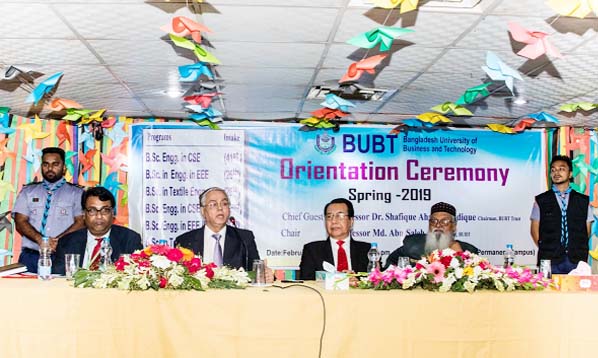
(29, 257)
(563, 267)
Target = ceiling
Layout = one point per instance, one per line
(114, 56)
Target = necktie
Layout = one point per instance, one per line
(94, 262)
(217, 250)
(564, 226)
(50, 192)
(342, 263)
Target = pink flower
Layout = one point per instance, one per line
(161, 249)
(388, 276)
(210, 270)
(174, 255)
(163, 282)
(437, 269)
(375, 277)
(120, 264)
(193, 265)
(446, 260)
(144, 263)
(401, 274)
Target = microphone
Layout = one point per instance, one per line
(233, 221)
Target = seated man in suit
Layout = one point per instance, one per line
(218, 242)
(442, 228)
(98, 213)
(339, 245)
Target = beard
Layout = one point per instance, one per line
(51, 178)
(437, 241)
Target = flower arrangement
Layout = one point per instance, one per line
(448, 270)
(160, 266)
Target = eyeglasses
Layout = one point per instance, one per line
(442, 222)
(106, 210)
(212, 205)
(338, 216)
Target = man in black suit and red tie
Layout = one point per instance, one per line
(217, 242)
(98, 210)
(339, 248)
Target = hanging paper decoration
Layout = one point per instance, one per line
(356, 69)
(382, 36)
(499, 71)
(537, 42)
(43, 88)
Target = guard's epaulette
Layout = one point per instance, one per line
(32, 183)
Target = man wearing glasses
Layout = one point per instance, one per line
(98, 207)
(217, 242)
(561, 220)
(51, 208)
(339, 248)
(442, 228)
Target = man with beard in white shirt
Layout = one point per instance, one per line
(442, 228)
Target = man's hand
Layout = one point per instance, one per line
(53, 242)
(269, 273)
(353, 280)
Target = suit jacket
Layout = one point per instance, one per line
(122, 240)
(413, 247)
(240, 248)
(314, 253)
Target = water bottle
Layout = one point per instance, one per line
(105, 254)
(44, 263)
(374, 257)
(509, 256)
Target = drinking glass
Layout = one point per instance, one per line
(259, 267)
(545, 268)
(71, 265)
(403, 262)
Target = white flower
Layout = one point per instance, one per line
(143, 283)
(161, 262)
(469, 286)
(454, 263)
(459, 272)
(175, 280)
(125, 283)
(447, 284)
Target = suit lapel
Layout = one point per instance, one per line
(199, 241)
(231, 247)
(327, 251)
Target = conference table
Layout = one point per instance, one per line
(54, 319)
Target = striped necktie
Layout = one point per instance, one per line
(564, 225)
(50, 192)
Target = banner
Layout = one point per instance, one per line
(279, 179)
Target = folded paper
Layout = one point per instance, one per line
(382, 36)
(537, 42)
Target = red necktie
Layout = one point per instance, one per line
(95, 255)
(342, 263)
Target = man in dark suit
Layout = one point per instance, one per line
(98, 209)
(338, 247)
(442, 228)
(218, 242)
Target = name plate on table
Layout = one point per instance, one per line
(576, 283)
(333, 280)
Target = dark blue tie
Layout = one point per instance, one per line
(50, 192)
(564, 226)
